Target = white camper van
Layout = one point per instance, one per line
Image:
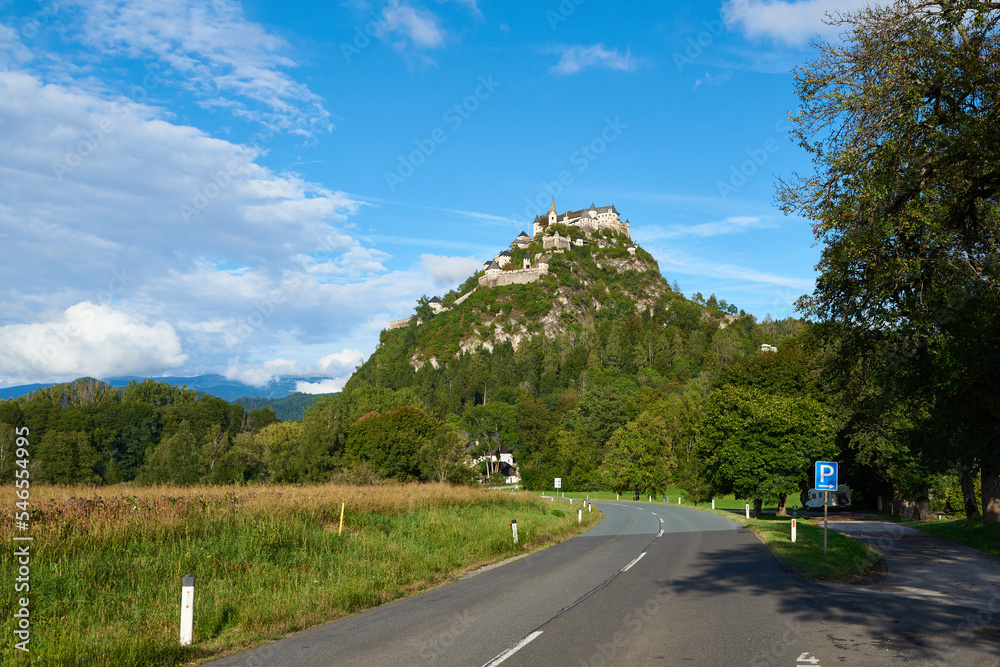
(839, 499)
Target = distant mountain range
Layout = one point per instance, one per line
(216, 385)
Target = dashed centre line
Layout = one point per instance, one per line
(513, 649)
(629, 566)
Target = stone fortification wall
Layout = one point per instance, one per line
(518, 277)
(399, 324)
(554, 241)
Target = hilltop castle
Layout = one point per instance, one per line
(584, 222)
(581, 224)
(588, 220)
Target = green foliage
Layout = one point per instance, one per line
(64, 458)
(392, 443)
(177, 459)
(762, 446)
(289, 408)
(639, 457)
(906, 201)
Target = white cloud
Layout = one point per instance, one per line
(671, 260)
(90, 210)
(227, 61)
(88, 339)
(420, 26)
(329, 386)
(259, 375)
(731, 225)
(574, 59)
(339, 365)
(793, 23)
(339, 361)
(447, 271)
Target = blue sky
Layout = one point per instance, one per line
(258, 188)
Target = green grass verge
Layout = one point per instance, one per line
(970, 533)
(846, 560)
(105, 571)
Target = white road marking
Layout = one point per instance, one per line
(629, 566)
(514, 649)
(660, 534)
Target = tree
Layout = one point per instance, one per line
(903, 123)
(8, 451)
(639, 457)
(177, 459)
(282, 446)
(65, 458)
(442, 456)
(423, 310)
(392, 443)
(762, 446)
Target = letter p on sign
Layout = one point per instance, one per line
(826, 476)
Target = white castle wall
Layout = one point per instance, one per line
(517, 277)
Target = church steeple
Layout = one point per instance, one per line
(553, 215)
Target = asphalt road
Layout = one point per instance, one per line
(650, 585)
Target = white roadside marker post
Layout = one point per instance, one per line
(187, 608)
(713, 503)
(513, 527)
(678, 500)
(579, 516)
(748, 510)
(590, 507)
(793, 529)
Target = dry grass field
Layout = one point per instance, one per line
(106, 563)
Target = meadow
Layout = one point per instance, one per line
(106, 564)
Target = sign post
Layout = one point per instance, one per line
(826, 481)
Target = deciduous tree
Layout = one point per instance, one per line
(762, 446)
(902, 119)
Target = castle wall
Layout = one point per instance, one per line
(555, 241)
(518, 277)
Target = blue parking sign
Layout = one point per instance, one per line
(826, 476)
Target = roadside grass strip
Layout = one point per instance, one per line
(847, 560)
(267, 560)
(968, 532)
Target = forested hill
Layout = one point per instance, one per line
(551, 370)
(600, 313)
